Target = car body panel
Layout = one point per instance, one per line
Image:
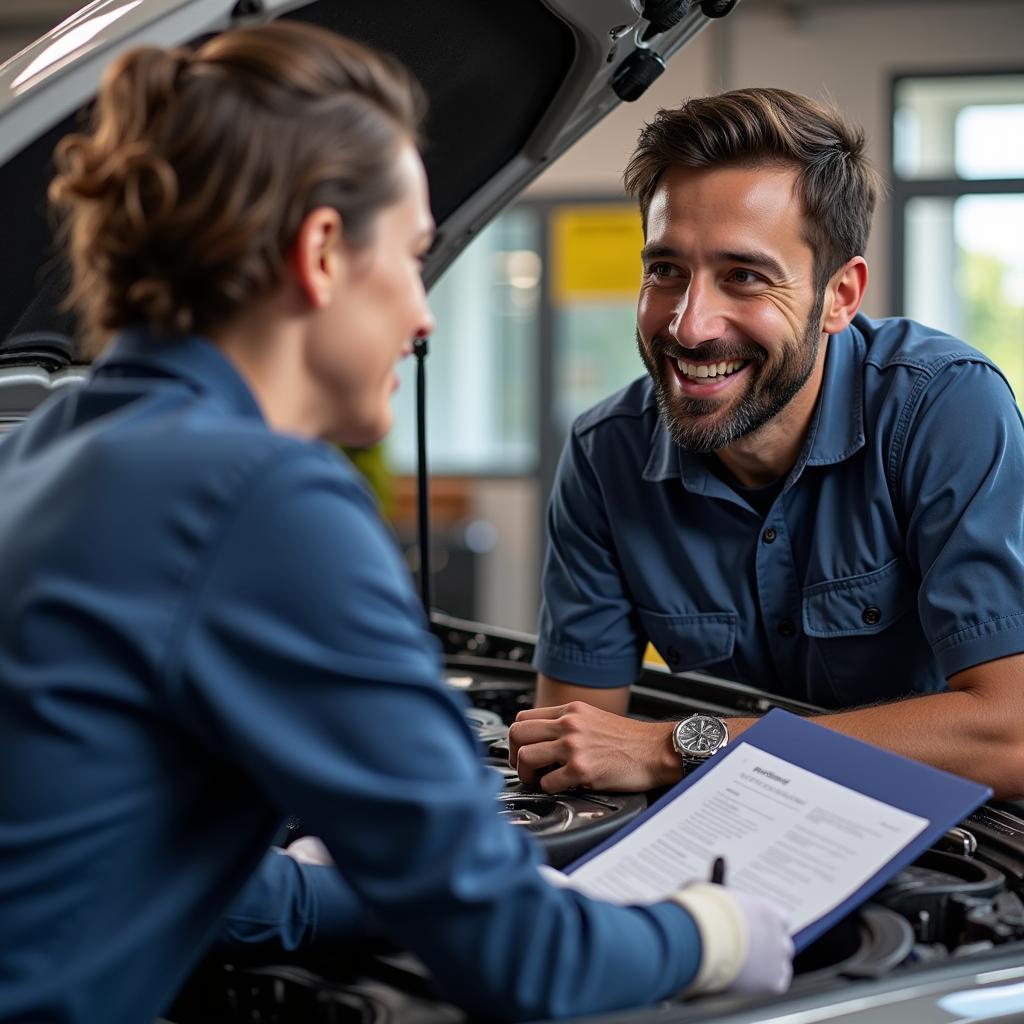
(547, 70)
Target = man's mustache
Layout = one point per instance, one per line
(708, 352)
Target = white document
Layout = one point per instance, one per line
(804, 842)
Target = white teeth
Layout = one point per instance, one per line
(702, 370)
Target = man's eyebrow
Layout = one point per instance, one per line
(755, 259)
(657, 252)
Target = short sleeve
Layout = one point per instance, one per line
(961, 484)
(588, 633)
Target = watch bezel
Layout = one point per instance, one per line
(690, 756)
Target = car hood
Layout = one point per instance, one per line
(511, 85)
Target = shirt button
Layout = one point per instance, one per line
(769, 535)
(786, 627)
(871, 616)
(672, 656)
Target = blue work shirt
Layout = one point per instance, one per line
(892, 558)
(205, 625)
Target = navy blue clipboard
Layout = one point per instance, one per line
(940, 798)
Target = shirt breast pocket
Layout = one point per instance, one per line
(870, 646)
(691, 641)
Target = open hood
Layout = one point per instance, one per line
(511, 85)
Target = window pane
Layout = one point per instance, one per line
(974, 242)
(595, 274)
(595, 345)
(990, 142)
(481, 397)
(961, 126)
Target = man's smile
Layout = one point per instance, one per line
(705, 379)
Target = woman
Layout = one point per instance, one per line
(205, 622)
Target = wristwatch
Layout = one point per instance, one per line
(696, 738)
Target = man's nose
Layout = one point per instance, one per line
(699, 315)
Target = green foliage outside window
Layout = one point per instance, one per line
(993, 321)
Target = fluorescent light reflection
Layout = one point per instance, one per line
(71, 41)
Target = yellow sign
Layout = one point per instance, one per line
(652, 657)
(595, 252)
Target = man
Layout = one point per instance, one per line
(796, 497)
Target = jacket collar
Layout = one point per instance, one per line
(191, 358)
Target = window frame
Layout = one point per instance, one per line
(903, 190)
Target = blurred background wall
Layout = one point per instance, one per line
(536, 318)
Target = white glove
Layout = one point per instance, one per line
(768, 966)
(309, 850)
(745, 942)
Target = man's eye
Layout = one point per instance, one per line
(744, 277)
(660, 269)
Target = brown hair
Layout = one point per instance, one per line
(837, 185)
(182, 202)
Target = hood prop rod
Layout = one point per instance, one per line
(420, 349)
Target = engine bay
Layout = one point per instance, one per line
(960, 901)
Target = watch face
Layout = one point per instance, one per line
(700, 735)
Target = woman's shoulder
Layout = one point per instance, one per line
(308, 483)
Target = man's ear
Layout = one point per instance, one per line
(844, 294)
(317, 256)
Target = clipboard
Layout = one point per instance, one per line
(942, 799)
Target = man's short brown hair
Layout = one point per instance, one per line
(752, 127)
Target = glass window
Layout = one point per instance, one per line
(972, 241)
(595, 355)
(958, 196)
(595, 274)
(959, 127)
(481, 370)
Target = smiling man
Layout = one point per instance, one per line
(795, 496)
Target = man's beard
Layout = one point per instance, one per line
(692, 422)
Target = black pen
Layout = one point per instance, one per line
(718, 871)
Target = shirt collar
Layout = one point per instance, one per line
(837, 427)
(191, 358)
(837, 424)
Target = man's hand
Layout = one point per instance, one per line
(591, 748)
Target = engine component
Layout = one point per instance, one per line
(569, 824)
(1001, 842)
(505, 697)
(866, 944)
(937, 893)
(488, 725)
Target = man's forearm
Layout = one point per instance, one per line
(551, 692)
(976, 729)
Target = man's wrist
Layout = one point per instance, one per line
(667, 766)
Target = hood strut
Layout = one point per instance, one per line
(420, 349)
